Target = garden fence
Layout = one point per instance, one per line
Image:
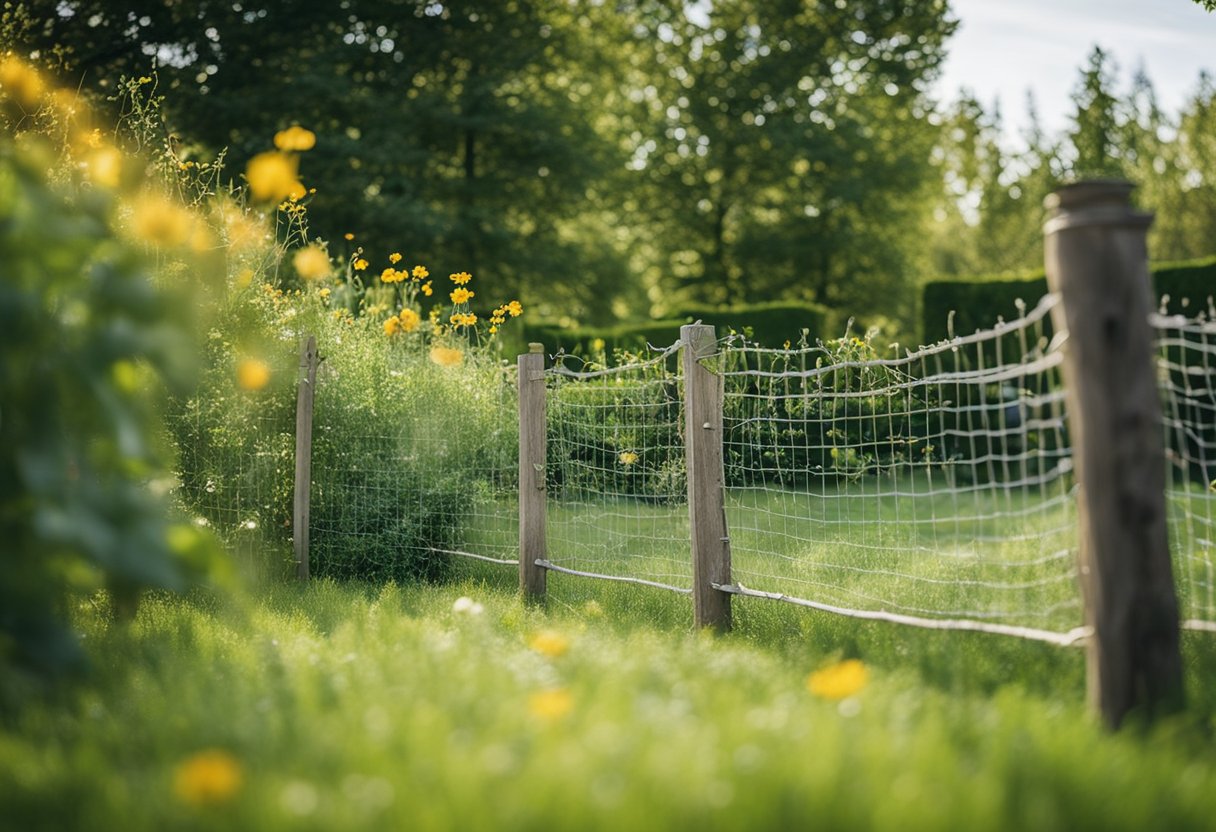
(1016, 481)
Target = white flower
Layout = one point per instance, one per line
(467, 606)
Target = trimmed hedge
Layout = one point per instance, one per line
(770, 324)
(978, 303)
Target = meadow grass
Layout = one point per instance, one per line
(358, 707)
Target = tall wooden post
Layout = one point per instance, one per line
(304, 402)
(1096, 260)
(703, 449)
(532, 516)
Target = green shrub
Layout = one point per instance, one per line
(1183, 288)
(89, 340)
(403, 449)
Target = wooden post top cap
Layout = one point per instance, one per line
(534, 347)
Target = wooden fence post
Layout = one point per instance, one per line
(1097, 261)
(703, 450)
(532, 496)
(304, 401)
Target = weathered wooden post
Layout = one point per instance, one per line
(532, 472)
(1097, 261)
(703, 450)
(304, 401)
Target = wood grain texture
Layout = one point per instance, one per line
(532, 453)
(1097, 261)
(706, 510)
(303, 483)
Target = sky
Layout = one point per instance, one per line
(1002, 48)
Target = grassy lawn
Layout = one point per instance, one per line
(358, 707)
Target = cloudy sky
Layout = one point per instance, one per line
(1005, 47)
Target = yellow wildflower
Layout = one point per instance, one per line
(104, 165)
(21, 83)
(426, 289)
(311, 262)
(348, 236)
(549, 643)
(324, 293)
(273, 176)
(394, 258)
(447, 356)
(392, 326)
(420, 272)
(159, 221)
(460, 295)
(360, 264)
(493, 330)
(208, 778)
(515, 309)
(463, 319)
(460, 278)
(550, 705)
(409, 320)
(838, 681)
(627, 458)
(295, 138)
(252, 374)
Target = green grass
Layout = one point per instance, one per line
(358, 707)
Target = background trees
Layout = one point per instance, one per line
(617, 160)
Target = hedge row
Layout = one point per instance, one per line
(770, 324)
(977, 304)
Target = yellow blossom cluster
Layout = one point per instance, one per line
(274, 175)
(405, 321)
(463, 319)
(499, 315)
(838, 681)
(312, 262)
(208, 778)
(461, 295)
(460, 278)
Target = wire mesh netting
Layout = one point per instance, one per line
(616, 472)
(433, 478)
(937, 485)
(1186, 350)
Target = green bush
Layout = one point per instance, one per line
(768, 324)
(403, 449)
(89, 339)
(1184, 288)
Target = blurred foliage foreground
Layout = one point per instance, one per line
(91, 345)
(150, 321)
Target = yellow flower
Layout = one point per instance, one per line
(394, 258)
(208, 778)
(426, 289)
(392, 326)
(159, 221)
(550, 705)
(447, 356)
(409, 320)
(324, 293)
(627, 458)
(460, 278)
(104, 165)
(360, 264)
(515, 309)
(252, 374)
(420, 272)
(295, 138)
(493, 330)
(549, 643)
(273, 176)
(22, 83)
(460, 295)
(311, 262)
(348, 236)
(463, 319)
(838, 681)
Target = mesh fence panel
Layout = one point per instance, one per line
(936, 485)
(616, 472)
(1186, 350)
